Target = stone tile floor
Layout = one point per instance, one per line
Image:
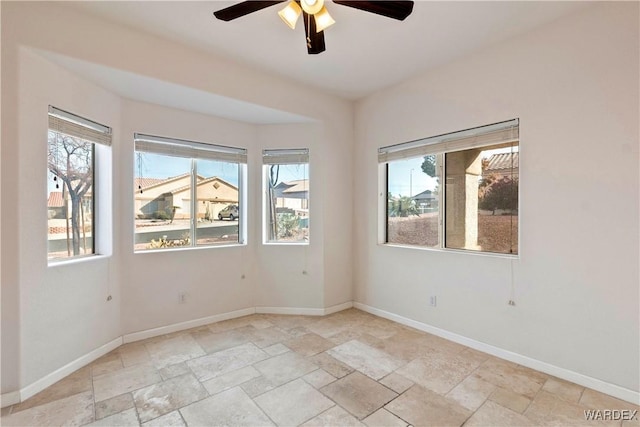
(347, 369)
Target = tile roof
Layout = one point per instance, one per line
(297, 186)
(501, 162)
(146, 182)
(55, 200)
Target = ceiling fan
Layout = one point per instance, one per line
(315, 15)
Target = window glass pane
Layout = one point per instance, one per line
(413, 201)
(162, 202)
(482, 199)
(287, 189)
(70, 196)
(218, 200)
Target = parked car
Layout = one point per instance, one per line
(230, 212)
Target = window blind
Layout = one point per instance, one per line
(70, 124)
(189, 149)
(498, 133)
(285, 156)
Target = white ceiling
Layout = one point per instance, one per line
(365, 52)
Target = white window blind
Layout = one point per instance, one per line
(70, 124)
(495, 134)
(285, 156)
(189, 149)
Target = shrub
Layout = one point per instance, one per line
(160, 215)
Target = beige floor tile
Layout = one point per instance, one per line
(421, 407)
(358, 394)
(328, 326)
(384, 418)
(335, 416)
(396, 382)
(230, 379)
(162, 398)
(123, 381)
(276, 349)
(77, 382)
(438, 371)
(5, 411)
(287, 322)
(174, 350)
(285, 367)
(229, 408)
(319, 378)
(548, 409)
(121, 419)
(227, 325)
(366, 359)
(257, 386)
(406, 345)
(212, 342)
(172, 419)
(331, 365)
(471, 393)
(74, 410)
(108, 363)
(175, 370)
(309, 344)
(268, 337)
(492, 414)
(596, 400)
(564, 389)
(518, 379)
(293, 403)
(355, 334)
(114, 405)
(222, 362)
(510, 400)
(134, 353)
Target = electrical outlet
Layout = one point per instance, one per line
(433, 301)
(182, 297)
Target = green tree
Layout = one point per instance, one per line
(429, 165)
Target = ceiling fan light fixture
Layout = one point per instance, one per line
(323, 20)
(290, 14)
(312, 6)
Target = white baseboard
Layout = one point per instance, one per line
(162, 330)
(8, 399)
(305, 311)
(565, 374)
(69, 368)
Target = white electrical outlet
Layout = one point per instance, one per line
(433, 301)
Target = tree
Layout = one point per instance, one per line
(70, 160)
(429, 165)
(500, 194)
(274, 173)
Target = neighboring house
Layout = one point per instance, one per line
(56, 203)
(293, 195)
(154, 194)
(501, 165)
(427, 201)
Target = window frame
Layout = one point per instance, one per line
(437, 146)
(284, 156)
(63, 122)
(195, 151)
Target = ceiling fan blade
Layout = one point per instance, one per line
(315, 41)
(391, 9)
(242, 9)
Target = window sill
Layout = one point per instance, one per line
(285, 243)
(76, 260)
(190, 248)
(453, 251)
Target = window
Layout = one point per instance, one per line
(73, 144)
(286, 178)
(187, 193)
(456, 191)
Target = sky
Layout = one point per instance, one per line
(150, 165)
